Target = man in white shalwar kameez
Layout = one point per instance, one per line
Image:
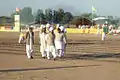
(50, 43)
(59, 39)
(63, 30)
(42, 35)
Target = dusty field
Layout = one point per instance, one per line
(87, 58)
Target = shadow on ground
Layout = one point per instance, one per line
(49, 68)
(87, 56)
(98, 56)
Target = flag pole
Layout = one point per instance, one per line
(92, 16)
(93, 10)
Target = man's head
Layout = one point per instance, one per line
(47, 25)
(58, 25)
(43, 28)
(30, 29)
(51, 29)
(59, 30)
(106, 23)
(62, 28)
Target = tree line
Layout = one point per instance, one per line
(56, 16)
(49, 15)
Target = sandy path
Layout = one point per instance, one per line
(87, 58)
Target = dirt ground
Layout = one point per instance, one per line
(86, 58)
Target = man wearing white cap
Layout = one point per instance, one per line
(47, 28)
(50, 43)
(58, 25)
(29, 42)
(55, 30)
(63, 30)
(59, 39)
(105, 31)
(42, 35)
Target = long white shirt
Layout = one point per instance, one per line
(42, 40)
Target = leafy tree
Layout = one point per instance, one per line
(60, 15)
(39, 16)
(89, 16)
(55, 18)
(26, 15)
(67, 17)
(48, 15)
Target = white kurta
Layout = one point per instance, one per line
(103, 36)
(50, 46)
(60, 41)
(43, 44)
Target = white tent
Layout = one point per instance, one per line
(99, 18)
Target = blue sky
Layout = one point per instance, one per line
(104, 7)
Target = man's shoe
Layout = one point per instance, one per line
(31, 57)
(54, 59)
(43, 57)
(48, 58)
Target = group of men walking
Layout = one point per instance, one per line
(52, 41)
